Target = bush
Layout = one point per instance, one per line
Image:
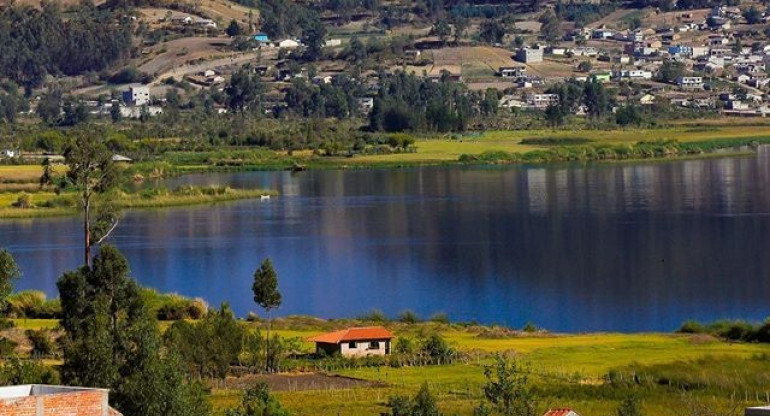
(32, 304)
(375, 315)
(172, 306)
(24, 201)
(16, 371)
(408, 317)
(42, 345)
(440, 317)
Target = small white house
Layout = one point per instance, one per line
(9, 153)
(288, 44)
(354, 342)
(690, 83)
(137, 96)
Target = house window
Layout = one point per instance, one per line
(352, 345)
(374, 345)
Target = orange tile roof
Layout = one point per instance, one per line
(560, 412)
(353, 334)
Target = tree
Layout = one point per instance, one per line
(595, 97)
(550, 27)
(111, 341)
(46, 178)
(244, 90)
(423, 404)
(491, 31)
(441, 29)
(267, 296)
(257, 401)
(753, 15)
(584, 66)
(460, 24)
(91, 172)
(630, 406)
(209, 346)
(115, 114)
(507, 388)
(9, 271)
(670, 70)
(233, 29)
(313, 37)
(49, 107)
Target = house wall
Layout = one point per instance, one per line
(85, 403)
(362, 348)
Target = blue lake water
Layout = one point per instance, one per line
(623, 247)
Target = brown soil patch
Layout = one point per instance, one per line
(300, 382)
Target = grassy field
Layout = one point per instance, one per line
(673, 372)
(123, 200)
(568, 370)
(449, 149)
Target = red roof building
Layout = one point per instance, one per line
(352, 342)
(565, 411)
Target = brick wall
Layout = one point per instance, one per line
(84, 403)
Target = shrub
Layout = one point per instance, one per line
(691, 327)
(42, 345)
(440, 317)
(408, 317)
(530, 327)
(16, 371)
(24, 201)
(32, 304)
(375, 315)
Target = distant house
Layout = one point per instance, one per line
(184, 20)
(137, 96)
(690, 83)
(541, 101)
(647, 99)
(561, 412)
(512, 71)
(529, 55)
(9, 153)
(510, 101)
(39, 399)
(207, 23)
(262, 37)
(365, 104)
(333, 42)
(352, 342)
(288, 44)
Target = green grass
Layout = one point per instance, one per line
(35, 323)
(568, 370)
(163, 199)
(443, 150)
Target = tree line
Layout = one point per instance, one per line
(41, 42)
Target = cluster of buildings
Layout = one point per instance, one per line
(716, 53)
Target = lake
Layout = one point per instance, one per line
(611, 247)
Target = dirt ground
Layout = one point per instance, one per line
(181, 51)
(300, 382)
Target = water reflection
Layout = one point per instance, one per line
(610, 247)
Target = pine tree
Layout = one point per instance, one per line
(267, 296)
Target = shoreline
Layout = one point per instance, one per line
(136, 201)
